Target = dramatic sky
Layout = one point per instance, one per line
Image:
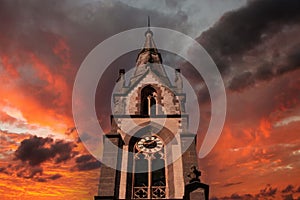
(255, 44)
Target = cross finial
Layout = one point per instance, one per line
(148, 21)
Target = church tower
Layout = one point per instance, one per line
(156, 157)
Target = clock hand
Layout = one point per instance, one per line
(148, 143)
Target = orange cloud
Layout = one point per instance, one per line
(9, 67)
(40, 91)
(252, 151)
(68, 177)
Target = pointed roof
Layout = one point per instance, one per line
(149, 57)
(149, 48)
(149, 42)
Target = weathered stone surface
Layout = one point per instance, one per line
(189, 157)
(149, 105)
(108, 175)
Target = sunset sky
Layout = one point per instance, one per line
(255, 44)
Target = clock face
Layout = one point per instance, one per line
(150, 144)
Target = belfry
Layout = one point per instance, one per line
(156, 156)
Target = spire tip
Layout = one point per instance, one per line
(148, 21)
(148, 30)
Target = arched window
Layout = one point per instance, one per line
(149, 181)
(148, 101)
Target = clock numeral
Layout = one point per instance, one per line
(159, 143)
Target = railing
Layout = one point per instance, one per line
(156, 192)
(140, 192)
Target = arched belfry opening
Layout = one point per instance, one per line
(148, 101)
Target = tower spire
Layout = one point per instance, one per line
(149, 43)
(149, 52)
(148, 30)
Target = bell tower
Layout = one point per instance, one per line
(156, 156)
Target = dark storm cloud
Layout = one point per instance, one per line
(264, 72)
(30, 34)
(242, 41)
(240, 30)
(33, 152)
(236, 197)
(294, 55)
(293, 60)
(41, 180)
(88, 166)
(231, 184)
(59, 34)
(55, 176)
(288, 189)
(84, 158)
(267, 192)
(30, 173)
(30, 27)
(70, 130)
(35, 24)
(37, 150)
(242, 81)
(86, 162)
(35, 173)
(63, 150)
(6, 170)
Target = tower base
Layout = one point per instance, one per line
(196, 191)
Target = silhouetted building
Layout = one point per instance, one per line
(151, 165)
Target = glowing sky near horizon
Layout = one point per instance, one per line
(43, 44)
